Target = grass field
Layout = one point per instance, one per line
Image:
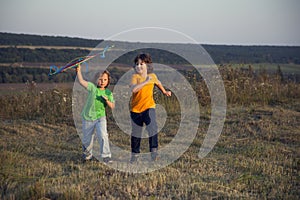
(285, 68)
(14, 88)
(256, 157)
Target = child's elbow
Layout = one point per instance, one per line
(112, 106)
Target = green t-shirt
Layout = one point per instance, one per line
(95, 105)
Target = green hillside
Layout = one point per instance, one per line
(221, 54)
(28, 57)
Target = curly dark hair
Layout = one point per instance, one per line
(146, 58)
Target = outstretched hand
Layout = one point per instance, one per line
(104, 97)
(168, 93)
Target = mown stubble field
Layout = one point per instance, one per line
(256, 156)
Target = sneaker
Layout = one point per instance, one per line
(154, 154)
(87, 156)
(107, 160)
(134, 158)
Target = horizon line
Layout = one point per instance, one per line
(97, 39)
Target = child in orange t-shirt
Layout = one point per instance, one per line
(143, 105)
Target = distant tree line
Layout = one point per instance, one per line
(42, 55)
(220, 55)
(39, 75)
(39, 55)
(14, 55)
(157, 55)
(39, 40)
(16, 74)
(223, 54)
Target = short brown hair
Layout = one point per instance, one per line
(146, 58)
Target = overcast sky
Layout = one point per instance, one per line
(239, 22)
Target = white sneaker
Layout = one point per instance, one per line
(107, 160)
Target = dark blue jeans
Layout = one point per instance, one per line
(148, 117)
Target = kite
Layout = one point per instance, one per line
(77, 61)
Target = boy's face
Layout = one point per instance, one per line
(103, 81)
(140, 67)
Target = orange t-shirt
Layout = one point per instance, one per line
(143, 99)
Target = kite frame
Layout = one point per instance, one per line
(75, 62)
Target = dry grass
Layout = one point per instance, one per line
(256, 157)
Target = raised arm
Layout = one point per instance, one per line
(82, 82)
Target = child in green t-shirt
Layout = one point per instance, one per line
(94, 115)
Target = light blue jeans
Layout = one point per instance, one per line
(101, 133)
